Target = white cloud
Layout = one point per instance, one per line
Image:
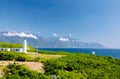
(70, 35)
(38, 32)
(64, 39)
(22, 34)
(78, 41)
(56, 35)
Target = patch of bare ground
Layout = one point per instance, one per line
(37, 66)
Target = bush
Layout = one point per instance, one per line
(37, 59)
(51, 67)
(16, 71)
(14, 56)
(2, 78)
(88, 66)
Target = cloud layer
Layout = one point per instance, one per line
(56, 35)
(64, 39)
(22, 34)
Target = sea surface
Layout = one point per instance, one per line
(101, 52)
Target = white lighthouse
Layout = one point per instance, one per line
(25, 46)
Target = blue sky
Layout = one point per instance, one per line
(89, 20)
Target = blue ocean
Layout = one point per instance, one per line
(100, 52)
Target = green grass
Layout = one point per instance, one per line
(53, 52)
(43, 57)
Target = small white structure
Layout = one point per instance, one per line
(93, 52)
(17, 49)
(23, 49)
(5, 49)
(25, 46)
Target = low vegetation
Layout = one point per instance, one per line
(53, 52)
(4, 55)
(31, 56)
(82, 66)
(36, 66)
(16, 71)
(59, 65)
(32, 60)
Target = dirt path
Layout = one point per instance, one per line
(31, 65)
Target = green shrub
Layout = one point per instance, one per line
(37, 59)
(88, 66)
(16, 71)
(2, 78)
(14, 56)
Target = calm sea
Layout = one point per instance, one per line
(102, 52)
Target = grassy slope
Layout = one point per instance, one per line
(44, 56)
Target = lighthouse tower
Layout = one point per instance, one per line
(25, 46)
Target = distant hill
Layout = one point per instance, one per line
(52, 42)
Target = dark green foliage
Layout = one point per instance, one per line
(86, 66)
(37, 59)
(2, 78)
(52, 67)
(14, 56)
(71, 75)
(15, 71)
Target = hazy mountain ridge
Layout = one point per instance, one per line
(52, 42)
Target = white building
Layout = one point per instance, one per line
(5, 49)
(17, 49)
(23, 49)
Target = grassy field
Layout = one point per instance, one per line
(43, 56)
